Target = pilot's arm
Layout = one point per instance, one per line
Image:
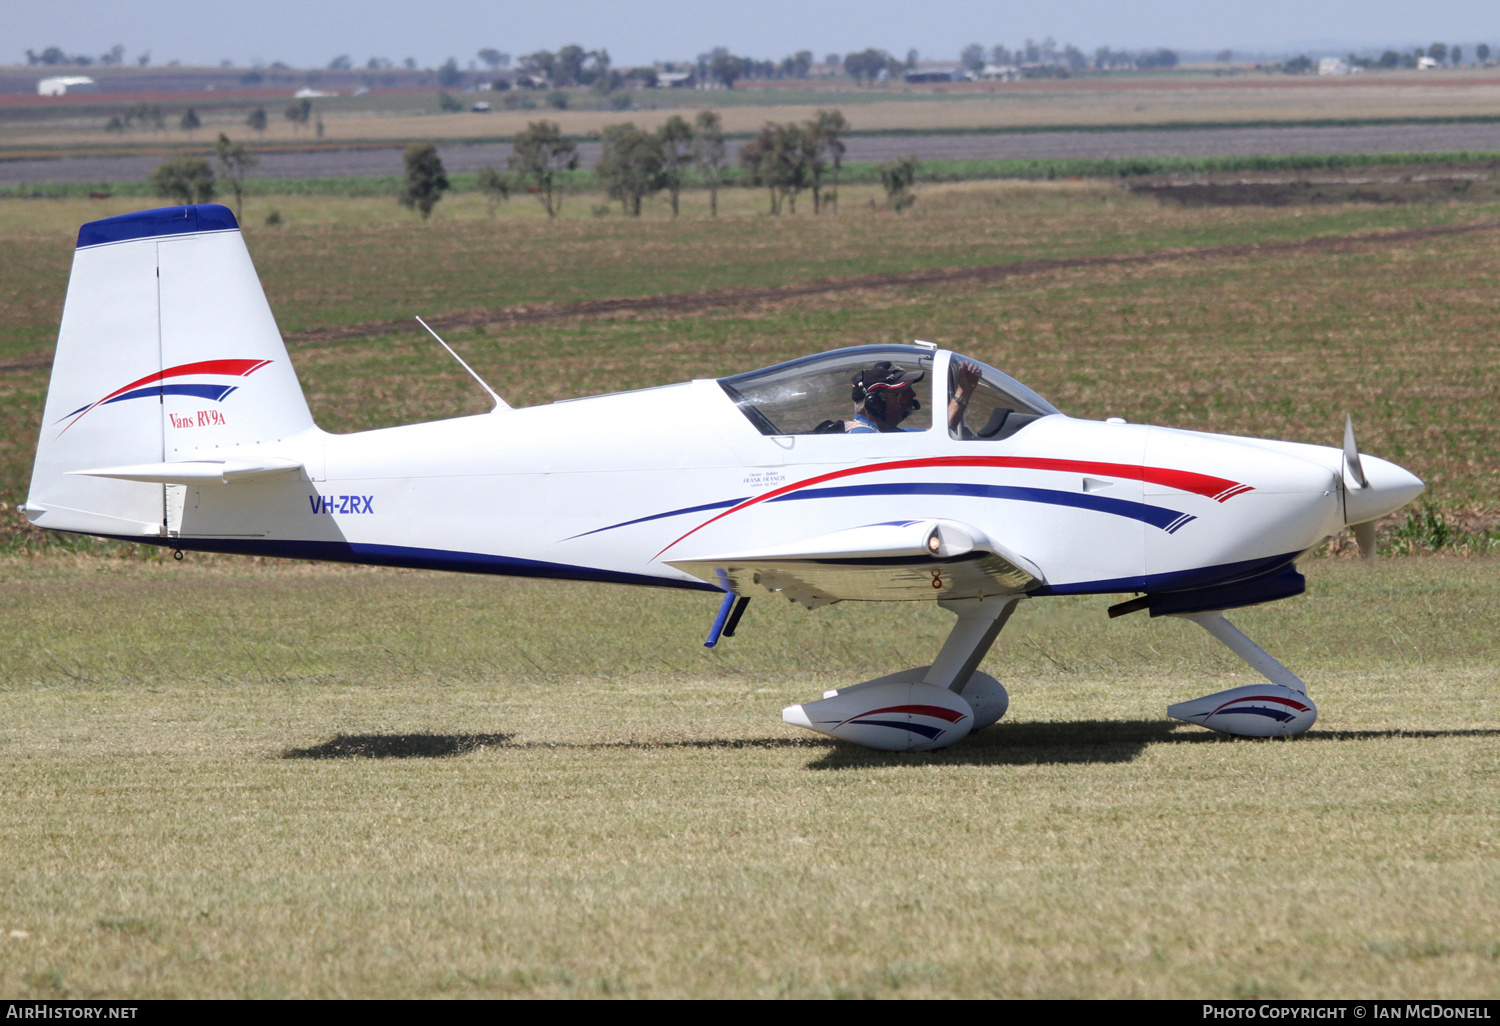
(965, 378)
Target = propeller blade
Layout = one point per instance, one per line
(1353, 469)
(1364, 534)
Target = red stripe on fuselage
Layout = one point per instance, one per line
(1205, 485)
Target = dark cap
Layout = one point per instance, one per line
(883, 377)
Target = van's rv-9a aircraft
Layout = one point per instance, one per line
(879, 473)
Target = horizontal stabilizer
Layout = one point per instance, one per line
(909, 559)
(194, 471)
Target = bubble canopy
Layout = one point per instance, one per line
(815, 394)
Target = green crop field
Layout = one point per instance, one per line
(230, 777)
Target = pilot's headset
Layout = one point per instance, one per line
(871, 386)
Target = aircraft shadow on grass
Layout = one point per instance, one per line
(1017, 744)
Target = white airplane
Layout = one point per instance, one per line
(878, 473)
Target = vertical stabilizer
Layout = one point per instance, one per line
(167, 351)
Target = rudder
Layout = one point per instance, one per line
(167, 351)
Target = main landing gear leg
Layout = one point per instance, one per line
(925, 707)
(1278, 709)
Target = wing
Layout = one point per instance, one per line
(901, 561)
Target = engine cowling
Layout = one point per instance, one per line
(1255, 710)
(896, 716)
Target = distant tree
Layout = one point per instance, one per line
(299, 113)
(116, 56)
(708, 154)
(727, 69)
(190, 122)
(1482, 53)
(234, 161)
(538, 156)
(494, 186)
(541, 64)
(797, 65)
(1224, 56)
(340, 63)
(630, 166)
(824, 147)
(144, 60)
(448, 75)
(912, 56)
(675, 138)
(425, 179)
(257, 120)
(1390, 59)
(833, 62)
(1438, 52)
(972, 57)
(999, 54)
(493, 58)
(448, 105)
(1456, 55)
(183, 178)
(1299, 65)
(898, 176)
(777, 159)
(866, 65)
(1162, 58)
(568, 68)
(410, 64)
(557, 100)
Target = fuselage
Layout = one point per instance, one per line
(610, 487)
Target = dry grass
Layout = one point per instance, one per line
(629, 818)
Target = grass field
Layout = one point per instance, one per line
(618, 812)
(233, 778)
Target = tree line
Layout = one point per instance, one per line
(786, 160)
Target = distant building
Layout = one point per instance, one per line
(1332, 66)
(311, 94)
(999, 73)
(933, 71)
(1426, 63)
(66, 84)
(674, 80)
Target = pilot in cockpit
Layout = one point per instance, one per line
(885, 397)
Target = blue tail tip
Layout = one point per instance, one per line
(146, 224)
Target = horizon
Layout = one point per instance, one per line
(678, 31)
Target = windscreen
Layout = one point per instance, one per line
(818, 394)
(986, 405)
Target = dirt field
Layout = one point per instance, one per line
(1094, 103)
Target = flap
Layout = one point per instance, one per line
(898, 561)
(195, 471)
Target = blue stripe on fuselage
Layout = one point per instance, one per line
(1156, 516)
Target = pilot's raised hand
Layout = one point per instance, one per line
(966, 376)
(965, 379)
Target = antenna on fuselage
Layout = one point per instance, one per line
(500, 404)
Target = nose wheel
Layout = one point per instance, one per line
(1279, 708)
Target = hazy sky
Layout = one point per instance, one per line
(308, 33)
